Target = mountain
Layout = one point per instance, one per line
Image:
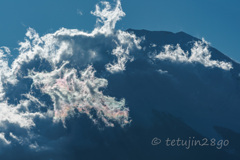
(164, 38)
(117, 95)
(172, 98)
(200, 94)
(75, 95)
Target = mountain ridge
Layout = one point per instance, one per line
(162, 38)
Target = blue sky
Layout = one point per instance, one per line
(215, 20)
(69, 94)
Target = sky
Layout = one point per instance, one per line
(75, 93)
(215, 20)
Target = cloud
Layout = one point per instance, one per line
(2, 137)
(108, 17)
(79, 12)
(6, 74)
(199, 54)
(78, 46)
(126, 43)
(11, 114)
(162, 71)
(14, 137)
(61, 67)
(60, 74)
(70, 92)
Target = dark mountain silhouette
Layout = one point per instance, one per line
(183, 100)
(164, 37)
(201, 97)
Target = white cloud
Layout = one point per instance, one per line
(162, 71)
(71, 44)
(199, 54)
(6, 74)
(153, 45)
(2, 138)
(127, 42)
(121, 60)
(34, 146)
(79, 12)
(70, 86)
(14, 137)
(69, 92)
(108, 17)
(16, 115)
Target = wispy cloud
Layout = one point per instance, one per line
(61, 66)
(79, 12)
(199, 54)
(2, 137)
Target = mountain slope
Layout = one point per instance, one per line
(164, 38)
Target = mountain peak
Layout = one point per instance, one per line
(161, 38)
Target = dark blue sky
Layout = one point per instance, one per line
(218, 21)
